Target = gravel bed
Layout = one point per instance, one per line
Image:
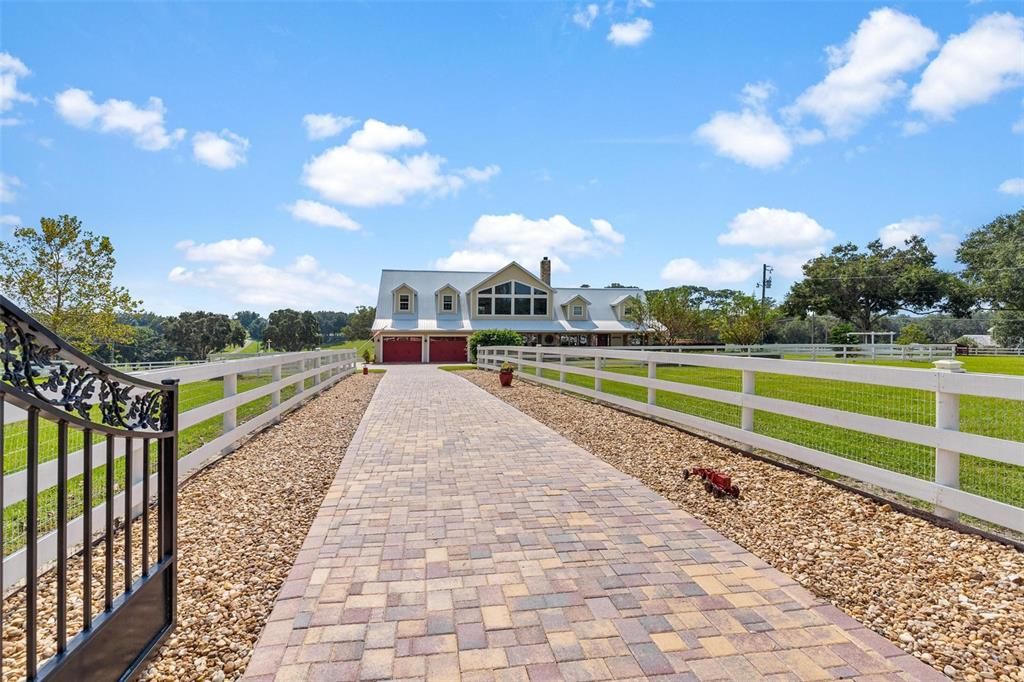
(241, 524)
(954, 600)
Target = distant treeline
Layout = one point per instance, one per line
(194, 335)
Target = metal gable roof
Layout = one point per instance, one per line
(426, 318)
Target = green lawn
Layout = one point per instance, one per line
(456, 368)
(190, 396)
(358, 346)
(984, 364)
(991, 417)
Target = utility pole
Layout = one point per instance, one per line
(766, 281)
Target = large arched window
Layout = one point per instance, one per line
(512, 298)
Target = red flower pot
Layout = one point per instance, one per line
(366, 370)
(505, 376)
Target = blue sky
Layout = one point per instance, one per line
(642, 143)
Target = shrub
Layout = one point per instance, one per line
(493, 337)
(367, 355)
(966, 342)
(841, 335)
(912, 333)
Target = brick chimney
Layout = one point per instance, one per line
(545, 270)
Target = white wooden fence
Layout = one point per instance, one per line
(324, 367)
(921, 352)
(947, 382)
(988, 350)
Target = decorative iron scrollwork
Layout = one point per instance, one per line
(36, 366)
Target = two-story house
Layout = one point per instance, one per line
(427, 316)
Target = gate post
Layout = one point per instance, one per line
(947, 416)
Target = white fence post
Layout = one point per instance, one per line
(275, 376)
(947, 416)
(598, 366)
(561, 367)
(652, 373)
(539, 357)
(747, 413)
(230, 418)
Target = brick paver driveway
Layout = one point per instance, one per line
(462, 538)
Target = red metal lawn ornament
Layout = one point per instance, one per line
(715, 482)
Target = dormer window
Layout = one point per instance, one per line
(512, 298)
(577, 311)
(404, 303)
(447, 303)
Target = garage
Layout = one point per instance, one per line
(402, 349)
(447, 349)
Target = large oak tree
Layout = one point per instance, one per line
(863, 287)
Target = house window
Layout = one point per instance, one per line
(404, 302)
(577, 311)
(447, 303)
(512, 298)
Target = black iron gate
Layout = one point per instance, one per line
(89, 532)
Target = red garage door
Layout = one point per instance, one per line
(402, 349)
(447, 349)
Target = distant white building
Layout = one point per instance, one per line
(983, 340)
(428, 315)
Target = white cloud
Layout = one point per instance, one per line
(911, 128)
(320, 126)
(895, 234)
(777, 227)
(755, 95)
(144, 124)
(865, 71)
(750, 137)
(11, 69)
(723, 271)
(469, 260)
(480, 174)
(497, 239)
(604, 229)
(377, 136)
(359, 173)
(248, 249)
(8, 183)
(788, 264)
(931, 228)
(9, 220)
(251, 281)
(1012, 186)
(584, 16)
(321, 214)
(631, 33)
(972, 67)
(221, 151)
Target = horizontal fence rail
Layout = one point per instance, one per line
(994, 351)
(220, 404)
(813, 351)
(944, 437)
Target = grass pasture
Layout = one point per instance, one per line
(991, 417)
